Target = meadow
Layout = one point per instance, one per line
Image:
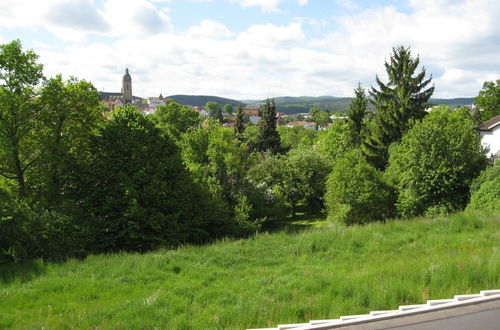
(267, 279)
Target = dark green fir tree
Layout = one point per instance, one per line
(357, 113)
(268, 138)
(398, 103)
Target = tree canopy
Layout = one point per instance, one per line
(397, 103)
(488, 100)
(434, 165)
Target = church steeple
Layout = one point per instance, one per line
(127, 87)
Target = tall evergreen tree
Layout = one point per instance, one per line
(357, 112)
(239, 125)
(268, 138)
(397, 103)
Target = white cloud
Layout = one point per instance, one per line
(210, 29)
(267, 6)
(74, 20)
(450, 37)
(272, 36)
(458, 42)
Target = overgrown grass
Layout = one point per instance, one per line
(261, 281)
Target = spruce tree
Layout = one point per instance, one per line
(239, 125)
(268, 138)
(357, 112)
(397, 104)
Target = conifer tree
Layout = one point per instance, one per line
(397, 104)
(357, 112)
(239, 126)
(268, 138)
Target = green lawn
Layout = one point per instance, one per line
(283, 277)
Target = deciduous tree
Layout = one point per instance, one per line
(20, 76)
(434, 165)
(488, 100)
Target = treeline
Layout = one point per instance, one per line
(75, 182)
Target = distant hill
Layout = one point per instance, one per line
(457, 102)
(292, 105)
(297, 104)
(201, 100)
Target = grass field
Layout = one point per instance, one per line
(261, 281)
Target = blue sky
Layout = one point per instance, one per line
(252, 49)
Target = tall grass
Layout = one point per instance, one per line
(260, 281)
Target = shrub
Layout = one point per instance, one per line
(434, 164)
(356, 191)
(485, 190)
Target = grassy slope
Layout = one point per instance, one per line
(261, 281)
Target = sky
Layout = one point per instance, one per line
(255, 49)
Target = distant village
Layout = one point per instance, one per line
(148, 105)
(489, 131)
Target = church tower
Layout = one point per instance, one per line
(127, 87)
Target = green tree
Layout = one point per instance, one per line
(295, 178)
(335, 141)
(239, 125)
(228, 108)
(268, 138)
(356, 192)
(488, 100)
(219, 162)
(175, 119)
(397, 104)
(214, 110)
(320, 117)
(20, 76)
(296, 137)
(357, 113)
(135, 193)
(434, 165)
(70, 117)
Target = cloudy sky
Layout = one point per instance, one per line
(252, 49)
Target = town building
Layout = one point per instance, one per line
(489, 131)
(110, 100)
(252, 110)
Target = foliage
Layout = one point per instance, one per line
(214, 110)
(70, 117)
(321, 118)
(218, 161)
(135, 193)
(336, 140)
(268, 138)
(239, 125)
(175, 119)
(356, 192)
(228, 108)
(226, 285)
(485, 190)
(20, 75)
(398, 103)
(357, 112)
(435, 163)
(296, 137)
(296, 178)
(488, 100)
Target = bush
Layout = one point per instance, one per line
(356, 191)
(485, 190)
(433, 166)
